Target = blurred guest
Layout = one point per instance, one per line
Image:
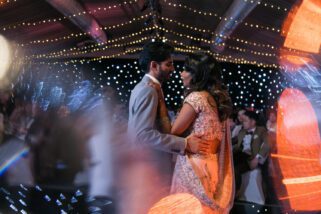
(252, 148)
(271, 123)
(1, 128)
(239, 126)
(6, 102)
(232, 120)
(20, 172)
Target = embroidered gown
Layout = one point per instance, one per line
(209, 178)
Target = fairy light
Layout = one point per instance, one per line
(189, 49)
(220, 57)
(212, 14)
(73, 53)
(83, 49)
(74, 61)
(248, 85)
(77, 35)
(6, 2)
(132, 21)
(59, 19)
(185, 49)
(272, 6)
(239, 40)
(210, 43)
(57, 39)
(100, 45)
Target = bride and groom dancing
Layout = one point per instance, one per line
(199, 135)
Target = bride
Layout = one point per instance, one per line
(205, 110)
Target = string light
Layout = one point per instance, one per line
(219, 57)
(5, 2)
(74, 61)
(242, 61)
(239, 40)
(101, 45)
(77, 53)
(70, 36)
(212, 14)
(167, 19)
(272, 6)
(231, 59)
(210, 43)
(59, 19)
(57, 39)
(76, 35)
(185, 49)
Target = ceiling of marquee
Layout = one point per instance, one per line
(43, 32)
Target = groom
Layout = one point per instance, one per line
(155, 148)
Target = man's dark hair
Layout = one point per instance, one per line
(252, 115)
(154, 51)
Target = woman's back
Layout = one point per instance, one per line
(207, 122)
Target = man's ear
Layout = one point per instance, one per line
(153, 65)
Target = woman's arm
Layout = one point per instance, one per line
(184, 119)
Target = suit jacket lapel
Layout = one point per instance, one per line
(255, 143)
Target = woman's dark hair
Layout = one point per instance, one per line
(206, 75)
(154, 51)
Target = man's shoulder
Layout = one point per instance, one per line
(242, 130)
(261, 129)
(142, 89)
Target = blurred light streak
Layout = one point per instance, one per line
(298, 136)
(177, 203)
(294, 158)
(302, 27)
(300, 195)
(11, 160)
(5, 56)
(302, 180)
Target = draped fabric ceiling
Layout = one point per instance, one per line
(54, 30)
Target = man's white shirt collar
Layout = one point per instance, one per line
(252, 130)
(153, 79)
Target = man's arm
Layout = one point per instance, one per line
(262, 153)
(144, 112)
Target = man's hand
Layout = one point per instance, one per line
(254, 163)
(196, 145)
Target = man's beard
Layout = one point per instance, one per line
(164, 76)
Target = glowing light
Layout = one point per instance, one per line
(304, 29)
(298, 141)
(6, 164)
(302, 180)
(294, 158)
(300, 195)
(293, 61)
(5, 54)
(178, 203)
